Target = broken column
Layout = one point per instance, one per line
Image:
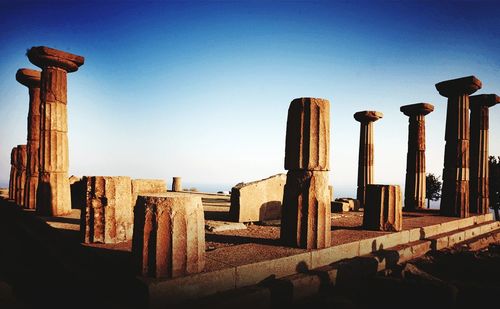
(107, 216)
(306, 215)
(21, 174)
(383, 210)
(415, 158)
(455, 194)
(176, 184)
(146, 187)
(13, 174)
(53, 193)
(169, 235)
(366, 151)
(31, 79)
(479, 150)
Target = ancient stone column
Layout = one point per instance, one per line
(107, 216)
(176, 184)
(169, 235)
(13, 174)
(21, 174)
(383, 211)
(306, 213)
(31, 79)
(415, 158)
(366, 151)
(455, 194)
(53, 193)
(479, 150)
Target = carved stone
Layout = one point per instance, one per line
(383, 210)
(176, 184)
(455, 194)
(21, 174)
(415, 159)
(479, 151)
(31, 79)
(308, 135)
(169, 235)
(13, 174)
(147, 186)
(53, 193)
(107, 216)
(258, 200)
(366, 151)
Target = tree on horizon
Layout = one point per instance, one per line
(432, 188)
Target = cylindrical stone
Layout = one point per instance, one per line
(169, 235)
(415, 159)
(13, 174)
(306, 213)
(455, 194)
(383, 209)
(53, 194)
(107, 216)
(308, 135)
(366, 151)
(479, 151)
(31, 79)
(21, 174)
(177, 184)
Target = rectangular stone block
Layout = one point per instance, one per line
(465, 222)
(308, 135)
(415, 234)
(330, 255)
(107, 216)
(431, 230)
(259, 200)
(369, 245)
(383, 208)
(456, 238)
(147, 186)
(449, 226)
(472, 232)
(338, 206)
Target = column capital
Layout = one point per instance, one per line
(28, 77)
(417, 109)
(43, 57)
(459, 86)
(368, 116)
(487, 100)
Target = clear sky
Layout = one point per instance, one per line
(201, 89)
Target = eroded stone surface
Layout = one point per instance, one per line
(383, 209)
(308, 135)
(107, 216)
(340, 206)
(258, 200)
(147, 186)
(21, 174)
(177, 184)
(169, 236)
(13, 174)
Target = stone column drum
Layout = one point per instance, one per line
(169, 235)
(479, 151)
(31, 79)
(13, 174)
(53, 193)
(455, 194)
(366, 151)
(107, 216)
(415, 158)
(21, 174)
(383, 211)
(176, 184)
(306, 213)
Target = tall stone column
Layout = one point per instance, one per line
(21, 174)
(306, 213)
(53, 193)
(31, 79)
(176, 184)
(479, 149)
(415, 159)
(366, 151)
(455, 194)
(13, 174)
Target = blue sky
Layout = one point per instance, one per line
(201, 89)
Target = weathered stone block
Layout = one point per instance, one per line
(22, 161)
(169, 235)
(354, 204)
(306, 214)
(13, 174)
(258, 200)
(107, 216)
(383, 210)
(340, 206)
(147, 186)
(308, 135)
